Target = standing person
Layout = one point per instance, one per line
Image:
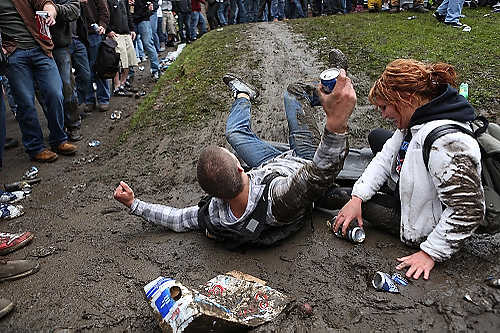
(183, 10)
(97, 13)
(238, 12)
(197, 17)
(153, 20)
(142, 13)
(121, 29)
(213, 8)
(29, 51)
(222, 12)
(160, 29)
(418, 7)
(169, 23)
(449, 12)
(435, 208)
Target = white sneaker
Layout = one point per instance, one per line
(8, 212)
(11, 197)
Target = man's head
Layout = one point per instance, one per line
(219, 173)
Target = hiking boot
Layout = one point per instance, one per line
(6, 306)
(155, 76)
(45, 156)
(15, 269)
(238, 86)
(12, 242)
(438, 16)
(102, 107)
(66, 148)
(337, 59)
(10, 143)
(9, 212)
(74, 134)
(11, 197)
(419, 9)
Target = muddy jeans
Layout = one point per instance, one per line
(253, 150)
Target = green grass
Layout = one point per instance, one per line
(371, 40)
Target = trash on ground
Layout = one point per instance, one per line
(467, 28)
(42, 252)
(223, 303)
(486, 15)
(140, 94)
(115, 115)
(94, 143)
(171, 56)
(219, 29)
(111, 210)
(31, 173)
(411, 17)
(141, 68)
(400, 279)
(383, 282)
(464, 90)
(354, 233)
(306, 309)
(469, 299)
(21, 185)
(491, 281)
(322, 38)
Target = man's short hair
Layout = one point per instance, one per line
(218, 174)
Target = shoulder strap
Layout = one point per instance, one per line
(436, 134)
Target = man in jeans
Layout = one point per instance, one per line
(97, 13)
(30, 62)
(143, 10)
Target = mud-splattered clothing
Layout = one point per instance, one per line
(441, 207)
(291, 194)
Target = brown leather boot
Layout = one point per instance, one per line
(66, 148)
(45, 156)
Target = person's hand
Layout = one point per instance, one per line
(124, 194)
(339, 104)
(133, 35)
(350, 211)
(101, 30)
(419, 263)
(51, 9)
(111, 34)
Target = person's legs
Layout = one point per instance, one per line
(147, 41)
(274, 9)
(195, 16)
(281, 9)
(453, 10)
(203, 23)
(298, 8)
(242, 12)
(80, 62)
(251, 149)
(10, 96)
(102, 92)
(2, 126)
(153, 20)
(221, 14)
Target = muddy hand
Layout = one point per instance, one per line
(124, 194)
(350, 211)
(419, 263)
(339, 104)
(51, 9)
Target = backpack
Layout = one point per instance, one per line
(108, 60)
(488, 137)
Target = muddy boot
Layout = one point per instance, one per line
(6, 306)
(238, 86)
(15, 269)
(337, 59)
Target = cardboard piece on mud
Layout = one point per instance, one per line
(223, 303)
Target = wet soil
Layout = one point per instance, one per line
(96, 258)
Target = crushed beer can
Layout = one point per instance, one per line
(384, 282)
(94, 27)
(399, 279)
(94, 143)
(115, 115)
(491, 281)
(41, 24)
(31, 173)
(354, 233)
(329, 79)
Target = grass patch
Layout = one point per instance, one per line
(372, 40)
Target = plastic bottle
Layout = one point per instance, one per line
(464, 90)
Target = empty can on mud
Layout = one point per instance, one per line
(329, 78)
(354, 233)
(399, 279)
(383, 282)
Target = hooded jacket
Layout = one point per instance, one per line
(142, 12)
(120, 19)
(441, 207)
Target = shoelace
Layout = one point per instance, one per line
(9, 237)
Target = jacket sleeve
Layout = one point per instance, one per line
(130, 17)
(455, 168)
(292, 196)
(68, 10)
(102, 13)
(38, 4)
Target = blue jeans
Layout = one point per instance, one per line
(238, 12)
(80, 62)
(278, 9)
(2, 125)
(253, 150)
(184, 20)
(452, 9)
(144, 29)
(102, 85)
(153, 20)
(10, 97)
(253, 9)
(195, 18)
(296, 9)
(27, 67)
(222, 13)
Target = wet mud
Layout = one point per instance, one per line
(96, 258)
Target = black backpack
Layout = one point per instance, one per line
(488, 137)
(108, 61)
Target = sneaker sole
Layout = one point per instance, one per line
(18, 246)
(7, 310)
(23, 274)
(230, 76)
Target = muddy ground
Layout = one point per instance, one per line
(95, 258)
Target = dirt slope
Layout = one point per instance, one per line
(102, 256)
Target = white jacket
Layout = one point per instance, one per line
(440, 207)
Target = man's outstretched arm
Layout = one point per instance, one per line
(175, 219)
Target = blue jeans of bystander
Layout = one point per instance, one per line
(102, 91)
(144, 28)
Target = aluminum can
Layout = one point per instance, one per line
(383, 282)
(31, 173)
(43, 29)
(94, 27)
(354, 233)
(399, 279)
(494, 282)
(329, 78)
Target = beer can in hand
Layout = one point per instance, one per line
(328, 79)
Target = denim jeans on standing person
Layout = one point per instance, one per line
(451, 9)
(147, 41)
(238, 12)
(2, 124)
(253, 150)
(252, 9)
(278, 9)
(153, 20)
(8, 92)
(296, 9)
(102, 92)
(27, 67)
(184, 20)
(195, 18)
(222, 13)
(161, 35)
(80, 62)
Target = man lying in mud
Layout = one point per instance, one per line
(268, 203)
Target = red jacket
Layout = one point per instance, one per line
(196, 5)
